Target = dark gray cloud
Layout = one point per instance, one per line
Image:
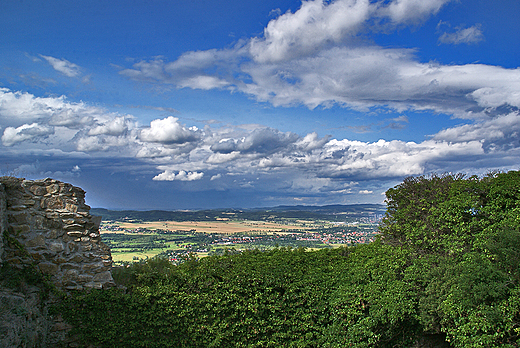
(225, 146)
(262, 141)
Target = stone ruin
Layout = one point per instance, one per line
(52, 223)
(45, 225)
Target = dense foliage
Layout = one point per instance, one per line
(446, 265)
(463, 235)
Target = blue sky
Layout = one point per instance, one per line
(215, 104)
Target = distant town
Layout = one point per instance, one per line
(134, 236)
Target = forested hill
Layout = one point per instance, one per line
(445, 272)
(328, 212)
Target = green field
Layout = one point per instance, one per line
(134, 241)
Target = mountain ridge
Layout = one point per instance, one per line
(334, 212)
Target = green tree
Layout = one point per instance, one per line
(374, 306)
(465, 262)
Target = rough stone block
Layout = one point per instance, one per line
(75, 234)
(92, 267)
(69, 266)
(52, 203)
(103, 277)
(48, 268)
(49, 223)
(59, 260)
(39, 240)
(66, 188)
(20, 207)
(76, 259)
(38, 190)
(56, 247)
(86, 247)
(29, 202)
(46, 254)
(54, 234)
(71, 207)
(36, 256)
(68, 221)
(74, 227)
(96, 220)
(53, 188)
(71, 275)
(19, 229)
(66, 215)
(19, 218)
(85, 278)
(51, 214)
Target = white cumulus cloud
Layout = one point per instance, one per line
(312, 26)
(411, 11)
(74, 126)
(116, 126)
(168, 131)
(315, 57)
(26, 132)
(216, 177)
(182, 175)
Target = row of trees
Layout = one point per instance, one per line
(446, 267)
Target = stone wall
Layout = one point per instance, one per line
(45, 225)
(53, 229)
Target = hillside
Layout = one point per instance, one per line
(444, 273)
(327, 213)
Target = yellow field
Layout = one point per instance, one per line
(226, 227)
(129, 257)
(212, 227)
